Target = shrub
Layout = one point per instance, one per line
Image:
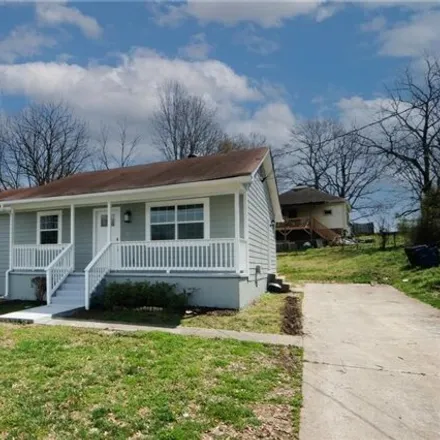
(134, 295)
(39, 284)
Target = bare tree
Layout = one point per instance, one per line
(123, 153)
(353, 173)
(9, 176)
(311, 147)
(44, 142)
(408, 134)
(184, 124)
(322, 154)
(242, 142)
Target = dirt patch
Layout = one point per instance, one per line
(292, 316)
(275, 424)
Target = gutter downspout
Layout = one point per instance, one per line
(11, 220)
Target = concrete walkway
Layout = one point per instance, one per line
(39, 314)
(265, 338)
(372, 365)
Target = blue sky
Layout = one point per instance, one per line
(264, 65)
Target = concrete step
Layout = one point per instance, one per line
(71, 288)
(41, 313)
(68, 301)
(69, 294)
(75, 282)
(78, 287)
(73, 292)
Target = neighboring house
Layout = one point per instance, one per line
(206, 224)
(309, 213)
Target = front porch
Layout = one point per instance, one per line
(81, 239)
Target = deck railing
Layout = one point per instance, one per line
(298, 222)
(59, 270)
(35, 257)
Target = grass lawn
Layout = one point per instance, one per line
(362, 265)
(66, 383)
(263, 316)
(15, 306)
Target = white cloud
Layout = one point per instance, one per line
(357, 111)
(197, 49)
(412, 37)
(128, 90)
(274, 120)
(256, 43)
(262, 12)
(56, 14)
(377, 24)
(23, 41)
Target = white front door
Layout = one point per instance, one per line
(100, 228)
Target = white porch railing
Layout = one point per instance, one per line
(58, 270)
(35, 257)
(212, 255)
(96, 271)
(182, 255)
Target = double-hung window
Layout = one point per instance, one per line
(49, 227)
(178, 222)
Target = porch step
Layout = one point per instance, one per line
(71, 288)
(68, 301)
(71, 292)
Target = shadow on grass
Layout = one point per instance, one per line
(9, 306)
(148, 316)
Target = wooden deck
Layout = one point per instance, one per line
(308, 224)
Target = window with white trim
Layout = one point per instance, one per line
(177, 222)
(49, 227)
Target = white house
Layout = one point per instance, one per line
(206, 224)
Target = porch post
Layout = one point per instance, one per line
(237, 230)
(246, 227)
(109, 222)
(11, 238)
(11, 249)
(72, 224)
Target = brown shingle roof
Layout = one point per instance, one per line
(198, 169)
(304, 195)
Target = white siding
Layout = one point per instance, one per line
(262, 250)
(338, 219)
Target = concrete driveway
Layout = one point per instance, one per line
(372, 365)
